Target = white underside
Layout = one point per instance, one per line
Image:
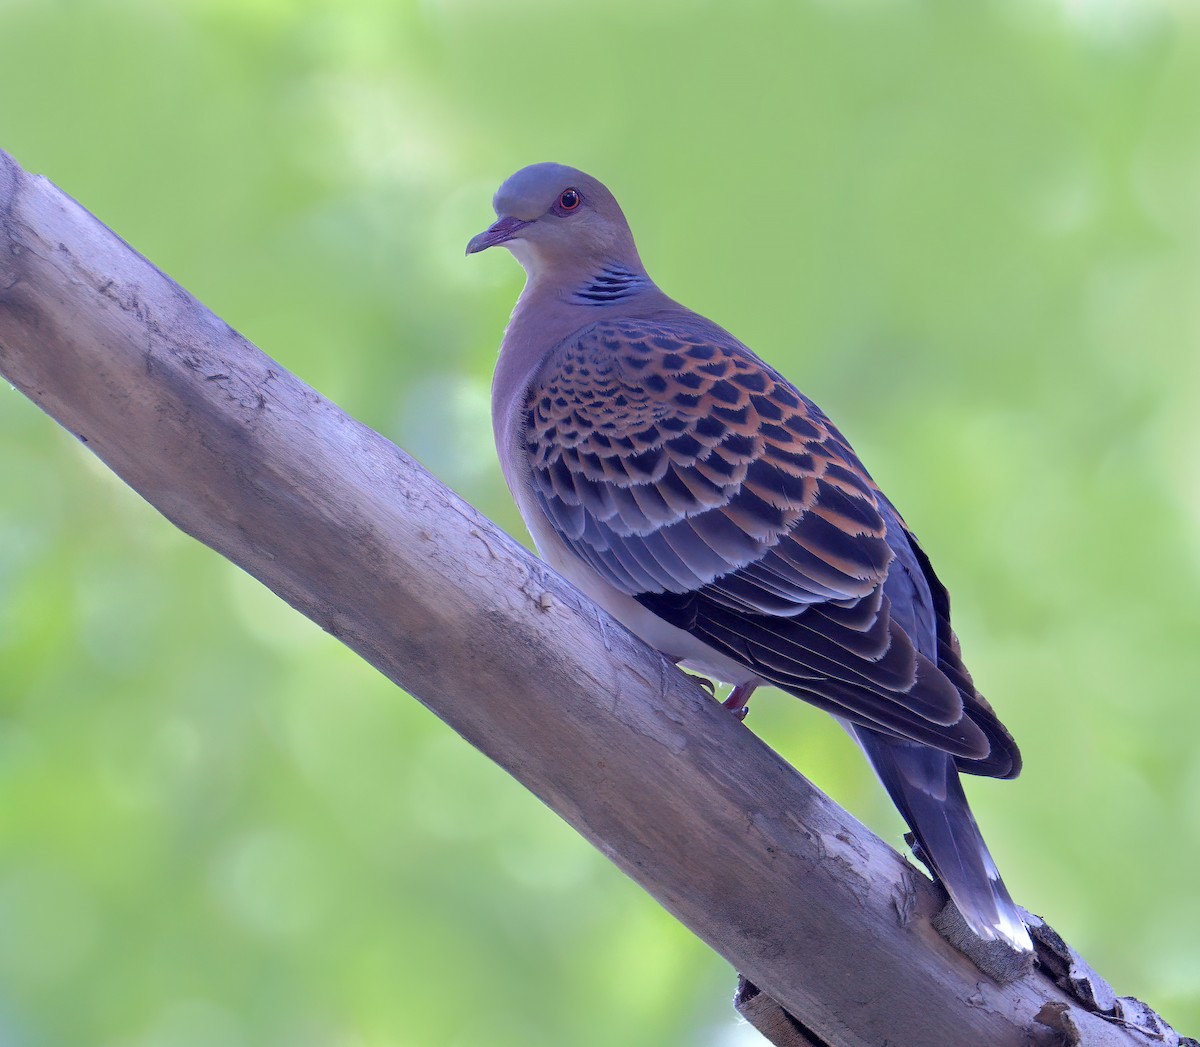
(676, 644)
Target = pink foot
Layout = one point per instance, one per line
(739, 697)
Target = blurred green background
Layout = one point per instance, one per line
(970, 231)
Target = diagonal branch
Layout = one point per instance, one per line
(812, 908)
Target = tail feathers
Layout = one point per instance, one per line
(924, 784)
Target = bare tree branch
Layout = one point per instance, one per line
(813, 909)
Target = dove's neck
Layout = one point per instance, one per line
(552, 307)
(610, 283)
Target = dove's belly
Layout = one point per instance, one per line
(677, 644)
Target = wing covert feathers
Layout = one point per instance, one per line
(691, 476)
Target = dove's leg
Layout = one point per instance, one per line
(739, 697)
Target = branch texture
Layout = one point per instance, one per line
(816, 912)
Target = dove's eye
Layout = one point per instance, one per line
(569, 200)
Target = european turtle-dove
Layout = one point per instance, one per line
(695, 494)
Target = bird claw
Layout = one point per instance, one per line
(738, 697)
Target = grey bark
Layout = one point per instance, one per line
(817, 912)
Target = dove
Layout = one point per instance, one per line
(695, 494)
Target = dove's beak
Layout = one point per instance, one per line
(500, 231)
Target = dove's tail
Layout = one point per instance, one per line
(924, 784)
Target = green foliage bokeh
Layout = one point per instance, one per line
(970, 231)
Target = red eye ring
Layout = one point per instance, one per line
(569, 200)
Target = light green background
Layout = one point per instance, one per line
(971, 231)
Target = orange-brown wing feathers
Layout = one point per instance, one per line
(634, 430)
(693, 477)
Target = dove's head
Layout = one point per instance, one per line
(555, 218)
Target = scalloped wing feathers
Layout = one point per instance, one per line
(691, 476)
